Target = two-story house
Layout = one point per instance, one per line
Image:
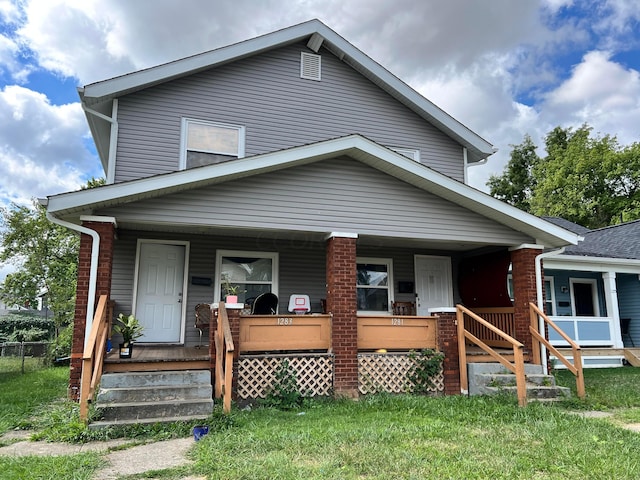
(291, 163)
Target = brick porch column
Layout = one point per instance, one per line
(341, 302)
(106, 230)
(448, 345)
(523, 270)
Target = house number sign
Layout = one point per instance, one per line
(285, 321)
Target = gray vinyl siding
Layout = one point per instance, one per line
(629, 304)
(334, 195)
(302, 268)
(279, 110)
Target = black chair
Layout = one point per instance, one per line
(265, 304)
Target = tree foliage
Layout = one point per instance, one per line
(594, 182)
(45, 256)
(517, 183)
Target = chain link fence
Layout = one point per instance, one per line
(23, 350)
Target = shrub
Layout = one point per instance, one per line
(428, 363)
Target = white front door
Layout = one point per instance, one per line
(159, 291)
(434, 287)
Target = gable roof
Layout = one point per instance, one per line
(71, 205)
(99, 96)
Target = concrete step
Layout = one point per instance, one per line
(157, 393)
(143, 421)
(145, 410)
(151, 397)
(148, 379)
(534, 392)
(493, 378)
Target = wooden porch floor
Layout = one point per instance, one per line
(153, 358)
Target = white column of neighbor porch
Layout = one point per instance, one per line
(613, 309)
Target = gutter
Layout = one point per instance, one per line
(93, 272)
(540, 297)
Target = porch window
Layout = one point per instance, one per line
(206, 143)
(549, 296)
(253, 272)
(374, 281)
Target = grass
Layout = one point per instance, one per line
(377, 437)
(22, 394)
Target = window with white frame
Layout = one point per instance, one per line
(205, 143)
(253, 273)
(412, 153)
(549, 296)
(374, 284)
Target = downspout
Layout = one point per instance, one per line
(93, 272)
(540, 297)
(113, 137)
(467, 165)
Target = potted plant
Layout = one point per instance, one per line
(130, 329)
(231, 291)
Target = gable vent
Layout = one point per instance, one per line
(310, 66)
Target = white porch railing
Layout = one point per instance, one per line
(585, 331)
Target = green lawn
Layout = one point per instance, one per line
(377, 437)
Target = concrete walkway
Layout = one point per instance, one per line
(127, 461)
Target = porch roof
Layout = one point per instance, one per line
(70, 206)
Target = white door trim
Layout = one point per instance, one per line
(186, 244)
(447, 260)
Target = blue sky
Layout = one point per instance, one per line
(504, 68)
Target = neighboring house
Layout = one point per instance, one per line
(291, 163)
(592, 292)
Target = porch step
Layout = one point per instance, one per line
(151, 397)
(493, 378)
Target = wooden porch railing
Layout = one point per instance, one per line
(94, 353)
(499, 317)
(465, 335)
(576, 367)
(223, 342)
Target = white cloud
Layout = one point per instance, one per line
(599, 92)
(42, 149)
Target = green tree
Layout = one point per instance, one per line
(592, 181)
(45, 256)
(517, 183)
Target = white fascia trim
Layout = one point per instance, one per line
(593, 264)
(341, 235)
(318, 31)
(98, 219)
(532, 246)
(356, 146)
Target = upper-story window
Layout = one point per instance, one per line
(205, 143)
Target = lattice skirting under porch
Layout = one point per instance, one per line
(257, 374)
(387, 372)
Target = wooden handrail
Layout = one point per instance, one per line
(518, 355)
(93, 355)
(576, 367)
(223, 341)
